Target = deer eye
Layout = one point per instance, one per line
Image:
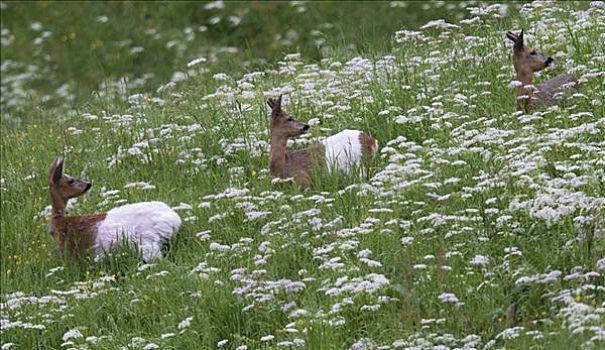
(533, 53)
(71, 181)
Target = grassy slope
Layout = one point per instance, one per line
(460, 177)
(78, 48)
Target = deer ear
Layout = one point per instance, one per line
(56, 169)
(519, 42)
(275, 103)
(511, 36)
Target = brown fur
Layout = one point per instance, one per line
(76, 234)
(300, 164)
(369, 145)
(527, 61)
(297, 164)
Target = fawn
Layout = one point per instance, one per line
(148, 225)
(341, 152)
(526, 62)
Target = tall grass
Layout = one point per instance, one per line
(479, 227)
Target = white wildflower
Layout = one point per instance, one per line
(480, 260)
(448, 298)
(196, 61)
(407, 240)
(440, 24)
(267, 338)
(185, 323)
(72, 334)
(214, 5)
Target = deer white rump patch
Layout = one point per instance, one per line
(148, 225)
(343, 150)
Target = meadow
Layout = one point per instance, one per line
(478, 227)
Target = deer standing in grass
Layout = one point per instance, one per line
(343, 152)
(147, 225)
(526, 62)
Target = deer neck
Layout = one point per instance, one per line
(57, 221)
(526, 77)
(58, 205)
(277, 157)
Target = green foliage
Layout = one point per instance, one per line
(476, 227)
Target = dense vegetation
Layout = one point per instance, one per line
(479, 227)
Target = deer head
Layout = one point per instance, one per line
(282, 125)
(63, 186)
(525, 59)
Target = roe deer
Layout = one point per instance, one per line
(526, 62)
(147, 225)
(341, 152)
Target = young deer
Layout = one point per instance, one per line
(526, 62)
(342, 151)
(148, 225)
